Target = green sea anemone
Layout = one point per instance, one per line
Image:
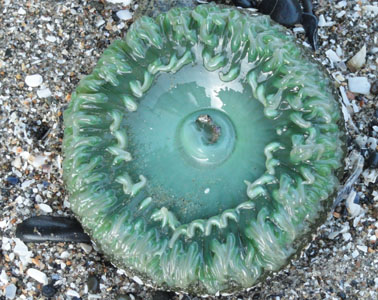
(203, 149)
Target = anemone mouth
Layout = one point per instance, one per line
(203, 149)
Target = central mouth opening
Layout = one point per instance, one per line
(209, 130)
(206, 137)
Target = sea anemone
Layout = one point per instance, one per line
(203, 149)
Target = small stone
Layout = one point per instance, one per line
(34, 80)
(98, 5)
(123, 2)
(51, 38)
(160, 295)
(123, 297)
(341, 295)
(332, 56)
(21, 11)
(22, 251)
(93, 284)
(358, 60)
(44, 93)
(359, 85)
(73, 293)
(48, 290)
(138, 280)
(100, 22)
(8, 52)
(4, 277)
(355, 253)
(370, 8)
(374, 88)
(13, 180)
(49, 228)
(64, 255)
(372, 161)
(115, 17)
(86, 247)
(124, 15)
(323, 23)
(341, 4)
(10, 291)
(353, 208)
(362, 248)
(37, 275)
(45, 208)
(347, 236)
(340, 14)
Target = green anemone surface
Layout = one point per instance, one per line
(203, 149)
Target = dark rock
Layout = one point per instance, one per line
(372, 161)
(354, 283)
(285, 12)
(357, 201)
(245, 3)
(13, 180)
(93, 284)
(374, 88)
(48, 290)
(76, 298)
(123, 297)
(48, 228)
(341, 295)
(8, 52)
(160, 295)
(114, 16)
(69, 43)
(41, 131)
(370, 282)
(98, 5)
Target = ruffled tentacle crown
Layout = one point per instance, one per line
(203, 149)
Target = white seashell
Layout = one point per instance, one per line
(33, 80)
(358, 60)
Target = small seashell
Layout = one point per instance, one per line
(358, 60)
(33, 80)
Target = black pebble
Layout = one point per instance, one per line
(160, 295)
(41, 131)
(48, 228)
(370, 282)
(8, 52)
(115, 17)
(374, 88)
(93, 284)
(123, 297)
(76, 298)
(372, 161)
(48, 290)
(341, 295)
(354, 283)
(13, 180)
